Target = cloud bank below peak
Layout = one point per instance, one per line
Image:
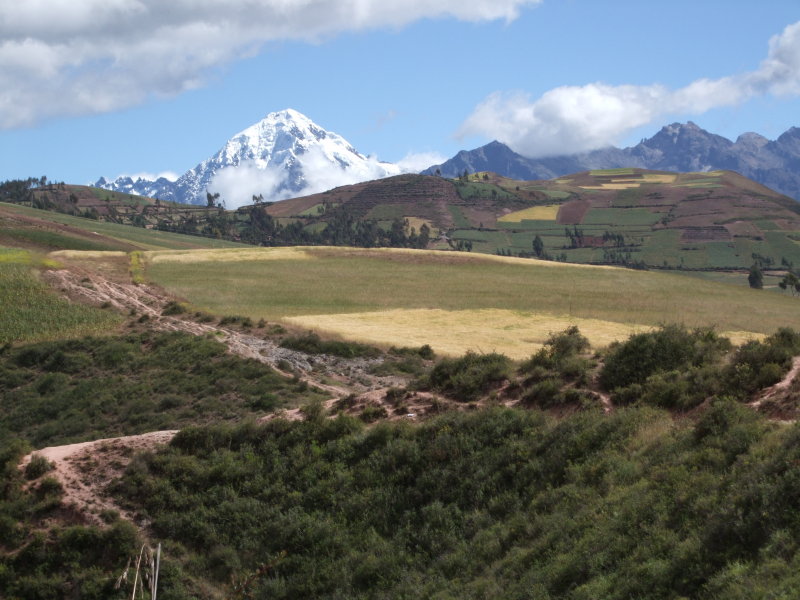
(571, 119)
(94, 56)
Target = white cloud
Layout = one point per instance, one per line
(237, 185)
(414, 162)
(60, 57)
(579, 118)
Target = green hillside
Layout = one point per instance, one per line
(694, 222)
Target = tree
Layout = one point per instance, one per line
(211, 198)
(538, 246)
(791, 282)
(755, 278)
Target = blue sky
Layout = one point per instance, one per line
(93, 87)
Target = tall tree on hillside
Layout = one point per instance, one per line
(755, 278)
(538, 246)
(791, 282)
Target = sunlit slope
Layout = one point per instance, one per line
(488, 302)
(36, 229)
(31, 311)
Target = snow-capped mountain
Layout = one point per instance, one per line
(284, 155)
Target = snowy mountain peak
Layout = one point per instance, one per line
(285, 154)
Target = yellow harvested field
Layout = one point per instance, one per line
(613, 186)
(226, 255)
(534, 213)
(87, 254)
(513, 333)
(417, 223)
(454, 332)
(654, 178)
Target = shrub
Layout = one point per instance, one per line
(545, 394)
(470, 376)
(372, 413)
(173, 308)
(37, 467)
(243, 322)
(756, 365)
(668, 348)
(311, 343)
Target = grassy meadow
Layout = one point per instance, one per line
(406, 297)
(32, 312)
(138, 237)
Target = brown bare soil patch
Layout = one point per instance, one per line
(86, 469)
(782, 400)
(572, 212)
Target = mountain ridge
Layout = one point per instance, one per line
(679, 147)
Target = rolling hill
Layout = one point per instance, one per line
(713, 221)
(651, 219)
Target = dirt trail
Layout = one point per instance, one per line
(92, 288)
(783, 385)
(86, 468)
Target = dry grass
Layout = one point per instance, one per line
(417, 223)
(516, 334)
(534, 213)
(227, 255)
(513, 333)
(613, 186)
(84, 254)
(334, 281)
(655, 178)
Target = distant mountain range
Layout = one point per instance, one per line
(676, 147)
(287, 155)
(284, 155)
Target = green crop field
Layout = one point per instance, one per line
(302, 282)
(31, 311)
(52, 239)
(145, 239)
(621, 217)
(458, 217)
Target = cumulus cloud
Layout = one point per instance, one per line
(62, 58)
(414, 162)
(580, 118)
(238, 184)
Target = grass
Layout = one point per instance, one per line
(52, 239)
(557, 194)
(145, 239)
(459, 220)
(32, 312)
(336, 281)
(621, 217)
(541, 213)
(611, 172)
(516, 334)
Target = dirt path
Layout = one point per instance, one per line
(783, 385)
(85, 469)
(92, 288)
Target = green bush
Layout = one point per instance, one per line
(37, 467)
(668, 348)
(757, 365)
(469, 377)
(311, 343)
(173, 308)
